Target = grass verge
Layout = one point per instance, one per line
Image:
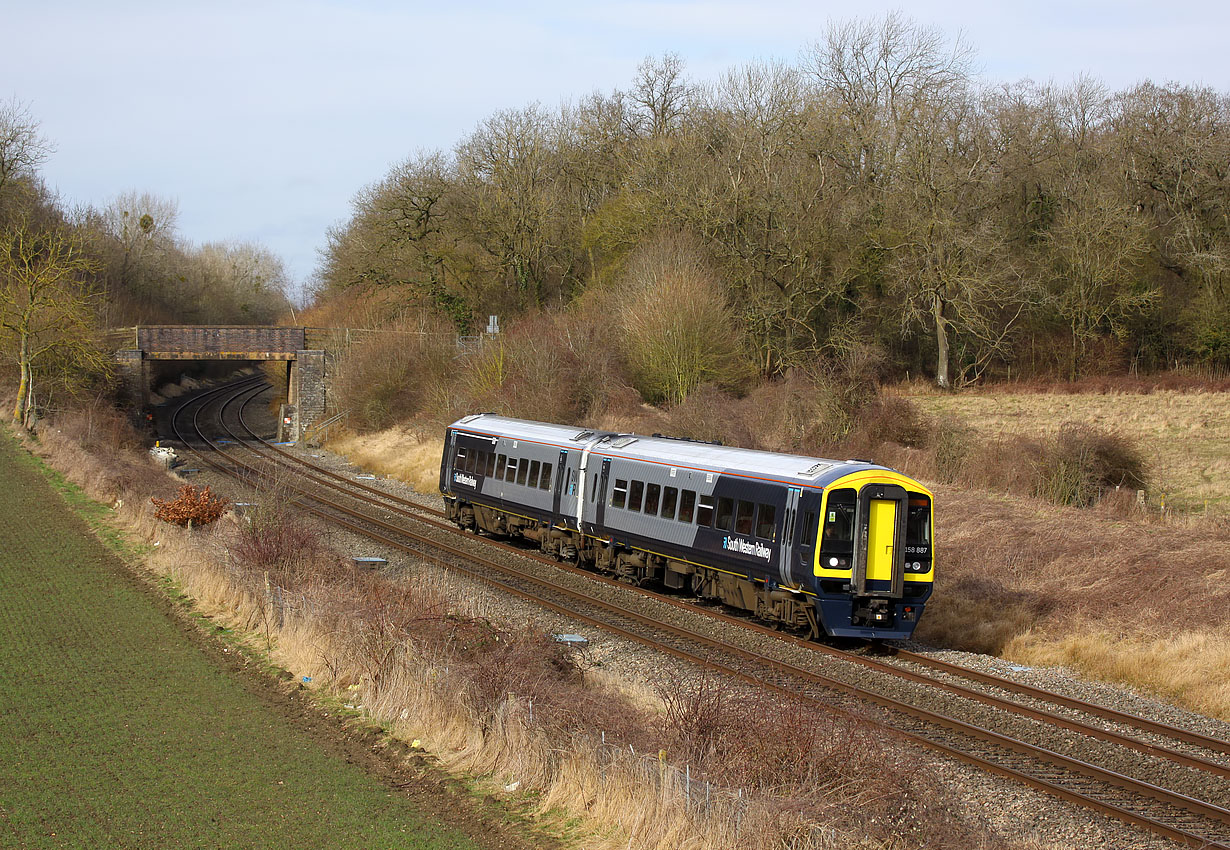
(118, 731)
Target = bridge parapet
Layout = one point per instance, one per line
(236, 342)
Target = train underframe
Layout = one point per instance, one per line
(789, 609)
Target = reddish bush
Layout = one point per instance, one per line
(193, 506)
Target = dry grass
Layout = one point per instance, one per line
(400, 453)
(1184, 436)
(1191, 668)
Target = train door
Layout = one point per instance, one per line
(786, 555)
(879, 551)
(562, 474)
(446, 465)
(600, 514)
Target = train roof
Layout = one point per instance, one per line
(810, 471)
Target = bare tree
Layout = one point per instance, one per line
(22, 147)
(886, 75)
(1099, 246)
(661, 91)
(45, 308)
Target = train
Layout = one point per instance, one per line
(841, 548)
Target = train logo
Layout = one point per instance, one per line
(738, 544)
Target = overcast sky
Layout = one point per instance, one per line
(262, 119)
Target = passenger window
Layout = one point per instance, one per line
(523, 469)
(619, 496)
(500, 463)
(635, 493)
(544, 483)
(687, 506)
(533, 480)
(766, 522)
(704, 513)
(459, 463)
(669, 497)
(743, 517)
(473, 463)
(838, 534)
(593, 491)
(511, 475)
(490, 467)
(725, 514)
(652, 492)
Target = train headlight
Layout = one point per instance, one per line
(833, 562)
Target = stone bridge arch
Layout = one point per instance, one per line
(159, 343)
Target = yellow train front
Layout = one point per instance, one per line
(842, 548)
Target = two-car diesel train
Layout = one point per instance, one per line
(842, 548)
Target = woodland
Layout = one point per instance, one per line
(874, 193)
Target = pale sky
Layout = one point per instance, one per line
(263, 119)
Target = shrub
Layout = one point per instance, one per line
(276, 538)
(679, 332)
(391, 374)
(193, 506)
(1082, 461)
(893, 419)
(951, 441)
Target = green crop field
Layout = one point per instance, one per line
(117, 731)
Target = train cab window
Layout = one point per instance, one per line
(500, 463)
(670, 496)
(766, 522)
(838, 534)
(593, 491)
(544, 483)
(744, 514)
(533, 479)
(636, 490)
(725, 514)
(653, 492)
(490, 466)
(918, 521)
(704, 513)
(687, 505)
(619, 496)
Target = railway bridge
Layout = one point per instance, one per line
(154, 346)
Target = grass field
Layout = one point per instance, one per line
(117, 730)
(1185, 436)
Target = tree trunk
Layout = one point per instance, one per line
(23, 386)
(941, 341)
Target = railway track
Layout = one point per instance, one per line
(1170, 781)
